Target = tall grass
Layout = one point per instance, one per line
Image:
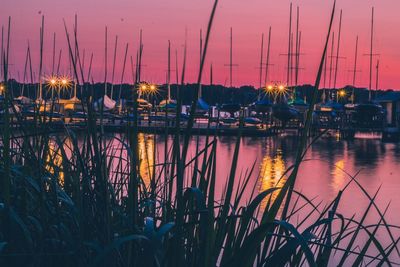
(81, 200)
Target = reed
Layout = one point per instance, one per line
(83, 200)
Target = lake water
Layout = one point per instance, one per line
(321, 176)
(325, 171)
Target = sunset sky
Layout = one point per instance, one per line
(163, 20)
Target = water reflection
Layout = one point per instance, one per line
(146, 157)
(338, 176)
(367, 153)
(54, 162)
(271, 174)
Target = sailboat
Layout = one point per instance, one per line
(39, 100)
(333, 105)
(73, 104)
(105, 103)
(230, 107)
(263, 104)
(351, 106)
(202, 106)
(296, 101)
(22, 100)
(168, 104)
(369, 113)
(327, 112)
(282, 111)
(142, 104)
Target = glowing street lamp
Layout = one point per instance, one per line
(153, 89)
(276, 89)
(65, 82)
(341, 94)
(2, 88)
(58, 83)
(146, 88)
(143, 87)
(281, 89)
(52, 82)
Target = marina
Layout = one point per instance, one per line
(251, 121)
(199, 133)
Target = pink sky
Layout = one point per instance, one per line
(163, 20)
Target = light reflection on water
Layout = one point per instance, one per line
(322, 175)
(146, 157)
(54, 161)
(272, 169)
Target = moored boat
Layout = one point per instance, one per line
(284, 113)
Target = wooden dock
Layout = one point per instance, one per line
(202, 126)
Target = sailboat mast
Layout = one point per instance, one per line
(377, 75)
(268, 53)
(30, 62)
(83, 59)
(54, 53)
(201, 46)
(231, 59)
(176, 67)
(113, 69)
(25, 72)
(291, 58)
(325, 74)
(76, 53)
(370, 55)
(41, 58)
(169, 70)
(76, 38)
(289, 46)
(139, 58)
(338, 50)
(136, 72)
(355, 63)
(90, 67)
(297, 54)
(2, 53)
(298, 60)
(201, 55)
(355, 70)
(184, 60)
(122, 75)
(105, 64)
(59, 62)
(211, 74)
(261, 62)
(331, 62)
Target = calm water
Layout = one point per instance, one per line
(321, 177)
